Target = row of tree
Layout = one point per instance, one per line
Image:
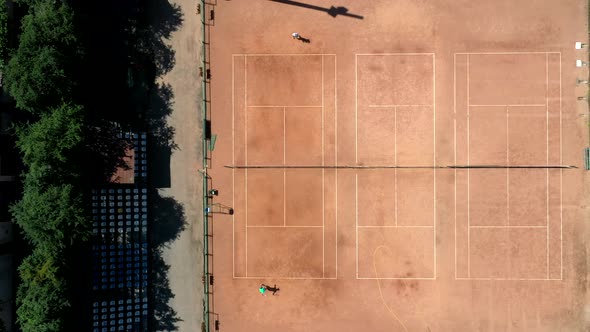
(41, 74)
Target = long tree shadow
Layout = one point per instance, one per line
(126, 54)
(168, 221)
(161, 134)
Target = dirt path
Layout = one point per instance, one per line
(184, 254)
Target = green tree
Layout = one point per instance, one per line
(41, 296)
(52, 219)
(3, 34)
(50, 146)
(40, 73)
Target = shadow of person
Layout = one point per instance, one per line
(305, 40)
(273, 289)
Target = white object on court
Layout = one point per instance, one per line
(580, 46)
(580, 63)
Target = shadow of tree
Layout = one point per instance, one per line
(164, 318)
(168, 221)
(126, 54)
(105, 151)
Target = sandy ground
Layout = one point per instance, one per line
(184, 255)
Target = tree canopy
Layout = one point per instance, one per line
(52, 218)
(50, 145)
(41, 296)
(3, 33)
(40, 72)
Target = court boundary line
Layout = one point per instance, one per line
(546, 105)
(547, 156)
(395, 53)
(432, 105)
(455, 150)
(508, 226)
(246, 157)
(434, 162)
(233, 172)
(508, 279)
(508, 53)
(284, 170)
(288, 226)
(336, 156)
(396, 278)
(399, 105)
(468, 180)
(509, 105)
(283, 54)
(286, 278)
(323, 180)
(356, 113)
(356, 222)
(395, 163)
(395, 226)
(561, 171)
(284, 107)
(508, 164)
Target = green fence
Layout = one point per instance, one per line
(206, 326)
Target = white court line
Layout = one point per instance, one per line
(284, 54)
(504, 105)
(509, 226)
(246, 157)
(455, 148)
(284, 170)
(434, 158)
(468, 182)
(507, 163)
(323, 226)
(336, 158)
(402, 54)
(560, 177)
(323, 184)
(506, 53)
(400, 105)
(547, 160)
(285, 278)
(395, 163)
(288, 226)
(356, 225)
(394, 226)
(356, 112)
(283, 106)
(400, 278)
(509, 279)
(233, 171)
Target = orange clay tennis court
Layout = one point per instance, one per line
(400, 172)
